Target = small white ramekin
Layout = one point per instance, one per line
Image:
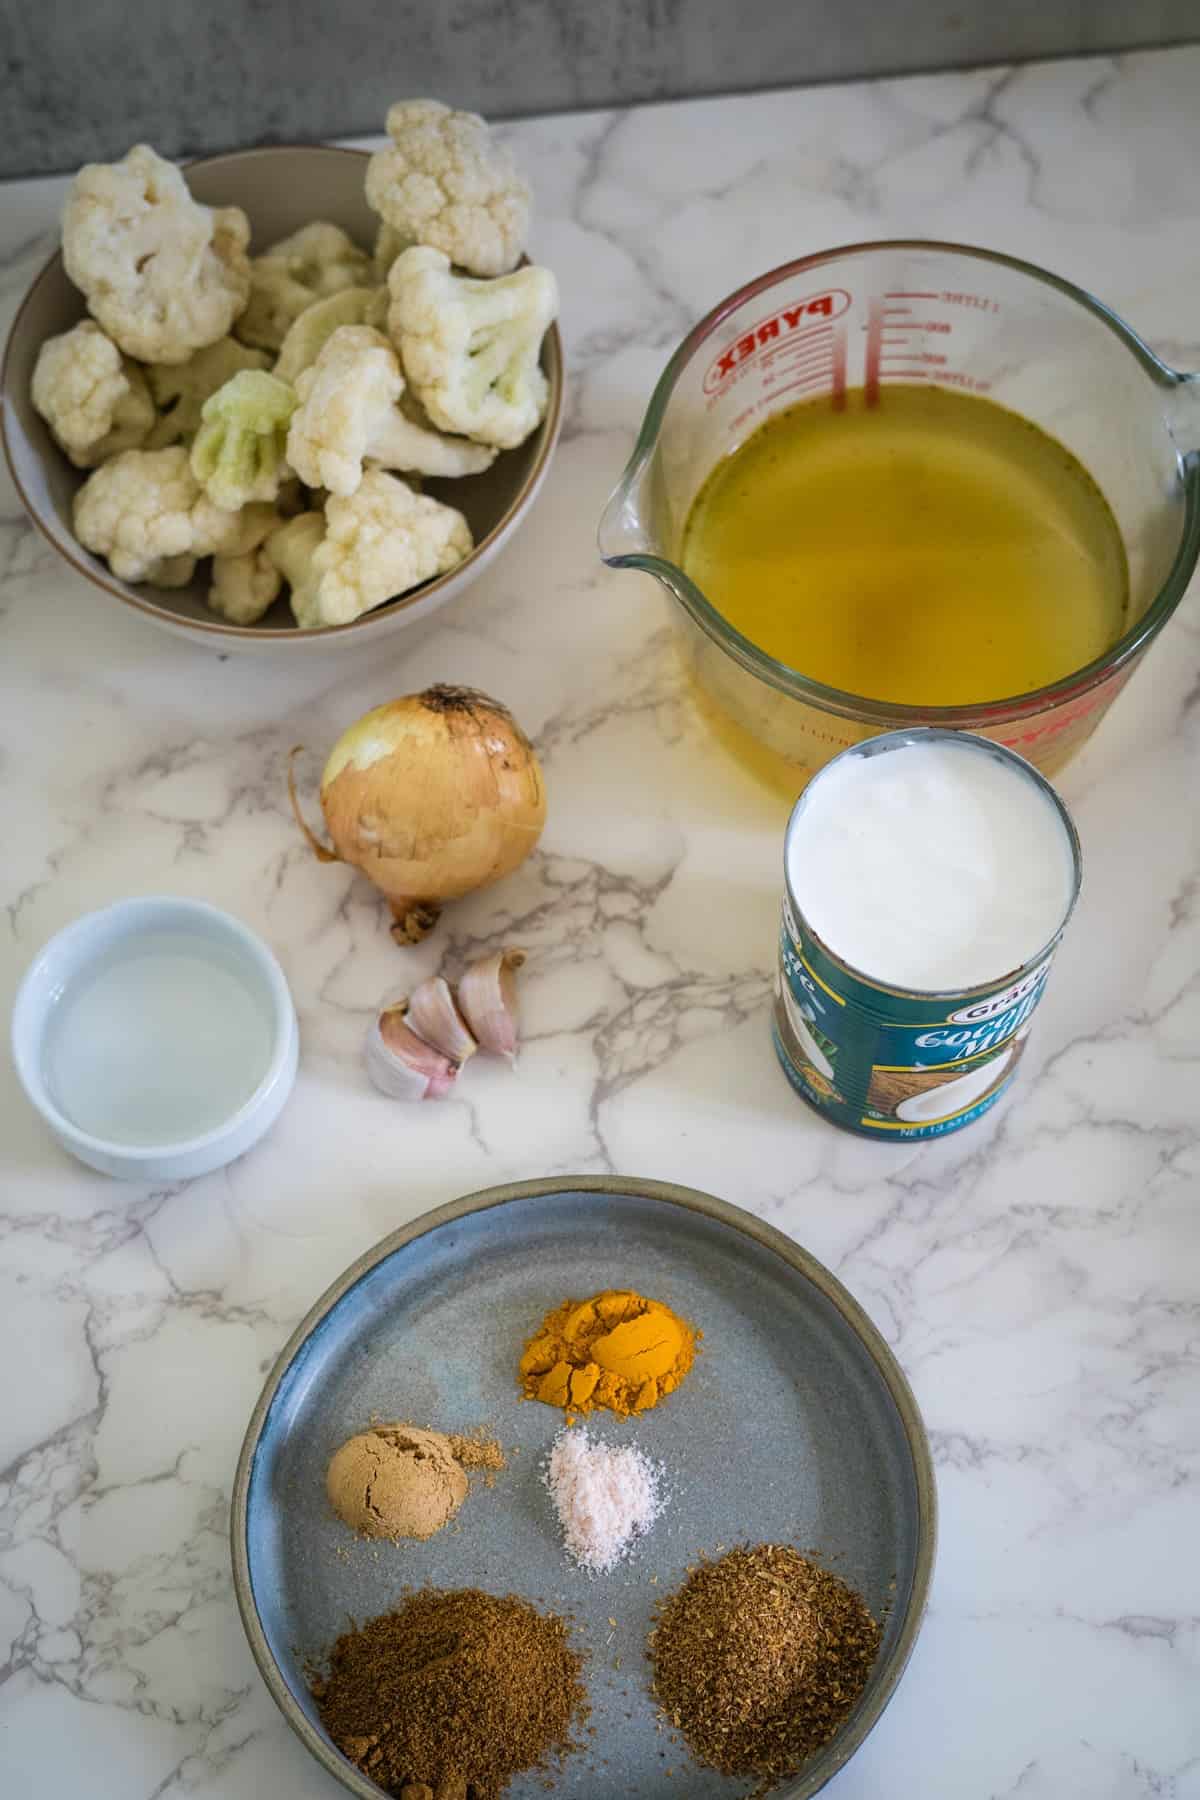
(79, 946)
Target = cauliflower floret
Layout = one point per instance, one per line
(316, 261)
(290, 550)
(470, 348)
(318, 322)
(163, 275)
(378, 543)
(444, 181)
(180, 389)
(238, 455)
(348, 413)
(171, 572)
(95, 401)
(145, 507)
(243, 587)
(388, 244)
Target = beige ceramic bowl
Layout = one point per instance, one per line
(279, 189)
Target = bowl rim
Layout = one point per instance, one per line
(215, 627)
(850, 1739)
(31, 1013)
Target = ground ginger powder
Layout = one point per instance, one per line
(617, 1350)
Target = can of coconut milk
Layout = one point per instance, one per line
(929, 877)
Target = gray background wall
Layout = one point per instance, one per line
(86, 78)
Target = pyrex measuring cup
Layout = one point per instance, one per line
(868, 316)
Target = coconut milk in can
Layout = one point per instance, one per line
(928, 878)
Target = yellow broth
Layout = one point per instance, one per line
(933, 550)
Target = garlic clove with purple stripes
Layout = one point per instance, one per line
(487, 999)
(433, 1014)
(401, 1064)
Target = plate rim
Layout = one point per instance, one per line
(690, 1199)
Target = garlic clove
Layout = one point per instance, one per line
(402, 1065)
(487, 999)
(432, 1013)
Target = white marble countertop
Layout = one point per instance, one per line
(1037, 1274)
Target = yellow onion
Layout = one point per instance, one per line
(431, 797)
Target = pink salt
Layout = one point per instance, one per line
(606, 1496)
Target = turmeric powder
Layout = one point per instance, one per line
(617, 1350)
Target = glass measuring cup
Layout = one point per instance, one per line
(867, 316)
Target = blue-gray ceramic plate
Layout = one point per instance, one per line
(795, 1426)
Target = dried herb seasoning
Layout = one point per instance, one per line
(758, 1659)
(453, 1694)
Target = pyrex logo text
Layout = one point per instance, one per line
(815, 310)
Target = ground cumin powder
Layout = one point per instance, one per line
(758, 1659)
(453, 1694)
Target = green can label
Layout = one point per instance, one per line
(890, 1063)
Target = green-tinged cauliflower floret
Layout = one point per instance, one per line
(444, 181)
(316, 261)
(162, 274)
(470, 348)
(145, 508)
(349, 413)
(243, 587)
(380, 542)
(95, 401)
(180, 389)
(318, 322)
(238, 455)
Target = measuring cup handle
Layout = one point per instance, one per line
(1183, 412)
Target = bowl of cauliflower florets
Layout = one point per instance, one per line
(293, 392)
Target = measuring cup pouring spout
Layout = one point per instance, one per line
(625, 537)
(841, 329)
(622, 534)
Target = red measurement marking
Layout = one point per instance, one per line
(803, 340)
(789, 353)
(955, 378)
(814, 353)
(818, 353)
(795, 374)
(810, 382)
(807, 336)
(839, 369)
(785, 386)
(874, 350)
(982, 302)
